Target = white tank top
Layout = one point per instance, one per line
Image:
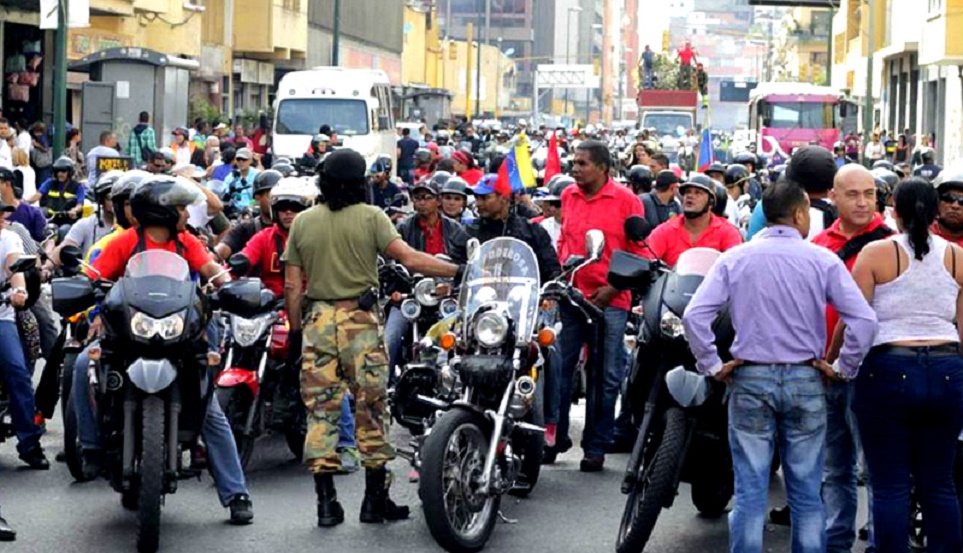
(919, 304)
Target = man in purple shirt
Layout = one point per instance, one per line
(777, 288)
(27, 215)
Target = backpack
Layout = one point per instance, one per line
(145, 153)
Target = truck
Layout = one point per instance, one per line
(668, 114)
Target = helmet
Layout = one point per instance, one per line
(721, 201)
(168, 154)
(456, 185)
(950, 179)
(438, 180)
(736, 174)
(124, 186)
(293, 190)
(281, 160)
(882, 163)
(640, 176)
(883, 191)
(838, 146)
(319, 139)
(928, 156)
(102, 190)
(558, 184)
(891, 178)
(381, 165)
(63, 163)
(701, 182)
(423, 155)
(715, 168)
(286, 169)
(154, 201)
(777, 172)
(266, 180)
(746, 157)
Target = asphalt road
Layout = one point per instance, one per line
(569, 512)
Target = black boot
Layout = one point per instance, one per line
(377, 506)
(330, 512)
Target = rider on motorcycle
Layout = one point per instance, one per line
(454, 200)
(319, 146)
(159, 206)
(89, 230)
(61, 195)
(242, 233)
(120, 205)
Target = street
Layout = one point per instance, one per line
(569, 512)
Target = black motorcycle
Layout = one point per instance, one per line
(681, 415)
(150, 377)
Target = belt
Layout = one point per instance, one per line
(348, 304)
(807, 363)
(942, 350)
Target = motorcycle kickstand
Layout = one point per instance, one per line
(505, 519)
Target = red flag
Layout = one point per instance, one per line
(503, 184)
(553, 165)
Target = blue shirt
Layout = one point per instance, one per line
(408, 147)
(222, 171)
(31, 218)
(243, 188)
(757, 221)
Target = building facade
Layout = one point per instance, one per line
(371, 35)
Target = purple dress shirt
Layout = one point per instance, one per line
(777, 287)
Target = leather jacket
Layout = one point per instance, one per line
(454, 234)
(521, 228)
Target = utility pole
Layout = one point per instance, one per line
(568, 44)
(829, 48)
(868, 101)
(468, 38)
(60, 79)
(478, 68)
(336, 35)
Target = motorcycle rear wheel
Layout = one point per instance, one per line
(152, 455)
(453, 457)
(644, 503)
(235, 403)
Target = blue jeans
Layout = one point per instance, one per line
(784, 405)
(910, 415)
(346, 425)
(216, 431)
(16, 378)
(598, 435)
(395, 328)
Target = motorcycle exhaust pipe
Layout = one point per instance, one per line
(523, 397)
(525, 387)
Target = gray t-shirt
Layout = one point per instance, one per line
(9, 244)
(87, 231)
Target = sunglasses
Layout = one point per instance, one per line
(422, 198)
(952, 200)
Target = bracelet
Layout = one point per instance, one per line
(19, 290)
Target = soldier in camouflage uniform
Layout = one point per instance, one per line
(333, 247)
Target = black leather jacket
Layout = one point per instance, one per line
(455, 237)
(526, 231)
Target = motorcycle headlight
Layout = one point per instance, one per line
(672, 325)
(425, 292)
(491, 329)
(247, 331)
(147, 327)
(448, 306)
(410, 309)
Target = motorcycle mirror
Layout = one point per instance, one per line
(594, 244)
(267, 298)
(24, 263)
(70, 256)
(399, 200)
(443, 257)
(473, 245)
(637, 228)
(572, 262)
(239, 264)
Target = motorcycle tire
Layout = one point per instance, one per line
(433, 490)
(644, 503)
(235, 403)
(72, 451)
(152, 455)
(711, 496)
(532, 447)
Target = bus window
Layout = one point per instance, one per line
(305, 116)
(806, 115)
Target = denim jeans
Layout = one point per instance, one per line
(784, 405)
(597, 437)
(346, 426)
(395, 328)
(216, 431)
(839, 472)
(910, 415)
(16, 378)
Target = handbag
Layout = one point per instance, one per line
(18, 92)
(40, 159)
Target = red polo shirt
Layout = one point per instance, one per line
(263, 251)
(670, 239)
(434, 238)
(606, 211)
(935, 229)
(833, 239)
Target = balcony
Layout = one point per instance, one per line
(271, 30)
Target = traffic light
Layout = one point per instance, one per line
(665, 41)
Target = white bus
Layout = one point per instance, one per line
(355, 103)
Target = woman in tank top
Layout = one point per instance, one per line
(909, 393)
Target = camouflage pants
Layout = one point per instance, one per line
(343, 348)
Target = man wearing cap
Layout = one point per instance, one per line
(333, 247)
(949, 218)
(465, 167)
(699, 227)
(661, 203)
(240, 183)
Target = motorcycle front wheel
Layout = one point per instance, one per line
(644, 503)
(453, 457)
(152, 455)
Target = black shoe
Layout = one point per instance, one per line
(781, 517)
(377, 507)
(242, 511)
(592, 463)
(549, 455)
(6, 532)
(330, 512)
(35, 459)
(93, 463)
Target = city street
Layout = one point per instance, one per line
(569, 512)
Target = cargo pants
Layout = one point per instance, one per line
(344, 349)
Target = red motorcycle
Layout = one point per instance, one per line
(258, 390)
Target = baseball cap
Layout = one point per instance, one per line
(813, 167)
(243, 153)
(665, 179)
(220, 127)
(486, 185)
(6, 174)
(462, 157)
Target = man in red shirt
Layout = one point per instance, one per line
(698, 228)
(949, 220)
(597, 202)
(687, 57)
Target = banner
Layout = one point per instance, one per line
(78, 14)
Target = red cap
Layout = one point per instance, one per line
(462, 157)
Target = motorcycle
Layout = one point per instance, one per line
(491, 437)
(681, 416)
(257, 390)
(150, 376)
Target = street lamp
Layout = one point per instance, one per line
(568, 44)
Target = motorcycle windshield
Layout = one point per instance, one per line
(158, 283)
(502, 274)
(696, 261)
(158, 263)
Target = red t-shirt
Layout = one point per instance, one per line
(113, 259)
(670, 239)
(434, 238)
(606, 211)
(262, 250)
(472, 176)
(686, 55)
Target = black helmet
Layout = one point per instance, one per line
(154, 201)
(286, 169)
(715, 167)
(558, 184)
(928, 156)
(423, 154)
(266, 180)
(777, 172)
(63, 163)
(891, 178)
(456, 185)
(721, 201)
(640, 177)
(102, 190)
(701, 182)
(746, 157)
(883, 192)
(121, 191)
(883, 163)
(736, 174)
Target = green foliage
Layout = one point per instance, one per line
(200, 106)
(666, 72)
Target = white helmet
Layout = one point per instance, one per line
(296, 190)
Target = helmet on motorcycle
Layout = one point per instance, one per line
(381, 165)
(721, 200)
(154, 201)
(286, 169)
(839, 147)
(883, 163)
(891, 178)
(558, 184)
(883, 192)
(102, 190)
(746, 157)
(433, 184)
(456, 185)
(715, 168)
(266, 180)
(701, 182)
(292, 192)
(121, 191)
(736, 174)
(640, 177)
(777, 172)
(62, 164)
(320, 139)
(281, 160)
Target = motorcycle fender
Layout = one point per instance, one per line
(234, 377)
(687, 388)
(152, 375)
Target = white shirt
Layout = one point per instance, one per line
(29, 181)
(6, 155)
(10, 244)
(554, 229)
(25, 141)
(197, 215)
(875, 150)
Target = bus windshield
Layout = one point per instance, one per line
(674, 124)
(305, 116)
(800, 115)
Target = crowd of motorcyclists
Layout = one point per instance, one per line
(430, 205)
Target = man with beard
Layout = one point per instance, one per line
(698, 228)
(949, 220)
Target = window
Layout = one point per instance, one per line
(804, 115)
(305, 116)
